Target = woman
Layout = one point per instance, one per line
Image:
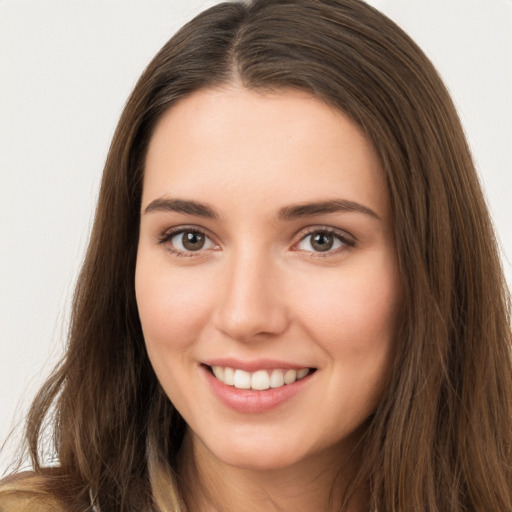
(292, 297)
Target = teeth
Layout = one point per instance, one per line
(259, 380)
(302, 373)
(218, 371)
(242, 379)
(229, 376)
(276, 379)
(290, 376)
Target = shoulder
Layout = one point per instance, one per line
(25, 492)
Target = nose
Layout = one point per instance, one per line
(251, 304)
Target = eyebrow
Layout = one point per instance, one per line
(181, 206)
(322, 207)
(286, 213)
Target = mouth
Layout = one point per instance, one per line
(259, 380)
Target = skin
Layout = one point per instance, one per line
(259, 289)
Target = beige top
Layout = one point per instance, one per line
(25, 493)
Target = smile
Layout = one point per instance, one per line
(259, 380)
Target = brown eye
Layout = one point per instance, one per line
(192, 240)
(188, 241)
(322, 241)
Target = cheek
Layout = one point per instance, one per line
(353, 313)
(171, 305)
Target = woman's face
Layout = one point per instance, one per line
(266, 256)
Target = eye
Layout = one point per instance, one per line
(324, 241)
(186, 241)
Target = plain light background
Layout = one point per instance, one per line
(66, 69)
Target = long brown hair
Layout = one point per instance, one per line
(441, 438)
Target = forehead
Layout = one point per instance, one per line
(261, 147)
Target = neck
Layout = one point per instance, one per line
(319, 483)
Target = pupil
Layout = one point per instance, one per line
(322, 241)
(193, 241)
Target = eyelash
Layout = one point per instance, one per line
(346, 241)
(165, 239)
(341, 236)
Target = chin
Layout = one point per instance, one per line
(256, 453)
(260, 460)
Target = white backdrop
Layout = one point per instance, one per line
(66, 69)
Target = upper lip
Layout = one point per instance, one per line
(254, 365)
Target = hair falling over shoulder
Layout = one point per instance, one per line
(441, 438)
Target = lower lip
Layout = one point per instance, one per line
(250, 401)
